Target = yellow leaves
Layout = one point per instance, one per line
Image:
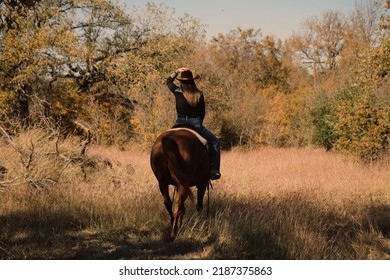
(31, 48)
(136, 124)
(363, 118)
(363, 125)
(286, 121)
(374, 64)
(60, 109)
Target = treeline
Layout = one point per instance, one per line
(74, 65)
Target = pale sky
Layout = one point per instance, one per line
(274, 17)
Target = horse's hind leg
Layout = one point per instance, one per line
(164, 189)
(179, 211)
(201, 191)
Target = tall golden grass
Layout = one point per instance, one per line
(269, 204)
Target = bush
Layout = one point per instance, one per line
(363, 124)
(322, 116)
(41, 159)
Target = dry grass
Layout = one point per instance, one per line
(312, 204)
(270, 204)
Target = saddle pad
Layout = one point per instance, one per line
(201, 139)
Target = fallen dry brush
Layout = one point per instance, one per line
(41, 159)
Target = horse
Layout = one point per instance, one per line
(179, 158)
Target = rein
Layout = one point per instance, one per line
(209, 185)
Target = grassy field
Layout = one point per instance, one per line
(269, 204)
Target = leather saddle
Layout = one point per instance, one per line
(192, 129)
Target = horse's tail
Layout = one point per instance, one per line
(176, 164)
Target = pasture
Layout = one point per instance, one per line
(269, 204)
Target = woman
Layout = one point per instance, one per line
(190, 108)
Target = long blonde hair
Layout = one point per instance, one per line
(191, 93)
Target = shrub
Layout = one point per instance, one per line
(363, 124)
(322, 116)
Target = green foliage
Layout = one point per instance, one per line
(362, 108)
(322, 115)
(363, 125)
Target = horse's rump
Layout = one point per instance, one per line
(179, 170)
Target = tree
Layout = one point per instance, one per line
(49, 44)
(321, 40)
(246, 65)
(362, 107)
(323, 115)
(363, 30)
(362, 126)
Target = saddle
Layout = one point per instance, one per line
(192, 129)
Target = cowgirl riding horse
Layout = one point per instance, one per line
(190, 108)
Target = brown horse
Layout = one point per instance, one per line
(178, 158)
